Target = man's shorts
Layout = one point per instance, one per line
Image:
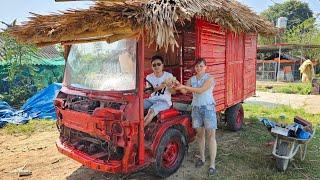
(204, 116)
(156, 105)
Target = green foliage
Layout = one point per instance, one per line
(290, 88)
(302, 27)
(23, 79)
(15, 52)
(275, 113)
(18, 95)
(307, 32)
(295, 10)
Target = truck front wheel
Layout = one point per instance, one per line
(170, 153)
(234, 117)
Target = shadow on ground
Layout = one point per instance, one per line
(88, 174)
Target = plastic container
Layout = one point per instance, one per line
(302, 134)
(282, 22)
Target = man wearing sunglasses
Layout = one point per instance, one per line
(160, 98)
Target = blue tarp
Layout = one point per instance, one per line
(38, 106)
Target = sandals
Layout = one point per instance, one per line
(199, 163)
(212, 171)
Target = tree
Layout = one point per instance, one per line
(306, 33)
(295, 10)
(19, 75)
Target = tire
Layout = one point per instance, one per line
(170, 153)
(235, 117)
(282, 150)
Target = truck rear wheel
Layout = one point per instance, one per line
(234, 117)
(170, 153)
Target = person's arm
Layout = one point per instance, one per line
(206, 86)
(162, 86)
(184, 90)
(172, 91)
(170, 85)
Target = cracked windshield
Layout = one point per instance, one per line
(102, 66)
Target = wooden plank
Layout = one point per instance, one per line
(234, 68)
(250, 65)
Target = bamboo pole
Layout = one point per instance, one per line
(84, 35)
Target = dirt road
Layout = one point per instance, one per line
(39, 154)
(310, 103)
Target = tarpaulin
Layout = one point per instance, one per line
(38, 106)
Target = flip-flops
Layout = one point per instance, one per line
(199, 163)
(212, 171)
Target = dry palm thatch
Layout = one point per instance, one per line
(112, 20)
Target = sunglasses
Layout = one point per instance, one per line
(156, 64)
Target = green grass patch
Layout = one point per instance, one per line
(246, 155)
(288, 88)
(31, 127)
(281, 113)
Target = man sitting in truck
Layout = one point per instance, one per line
(160, 98)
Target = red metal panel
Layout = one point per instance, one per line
(234, 67)
(249, 76)
(211, 45)
(141, 56)
(188, 54)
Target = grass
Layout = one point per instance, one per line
(249, 156)
(288, 88)
(29, 128)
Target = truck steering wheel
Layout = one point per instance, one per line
(151, 88)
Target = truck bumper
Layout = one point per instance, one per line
(87, 160)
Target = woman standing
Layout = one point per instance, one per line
(203, 111)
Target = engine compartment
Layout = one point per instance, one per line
(89, 133)
(87, 105)
(93, 146)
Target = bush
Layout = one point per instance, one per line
(17, 96)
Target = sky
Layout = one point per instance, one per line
(19, 9)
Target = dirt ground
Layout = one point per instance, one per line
(39, 155)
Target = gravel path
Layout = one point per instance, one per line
(311, 103)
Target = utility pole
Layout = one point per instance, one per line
(281, 24)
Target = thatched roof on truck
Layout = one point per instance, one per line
(116, 19)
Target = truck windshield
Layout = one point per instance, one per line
(102, 66)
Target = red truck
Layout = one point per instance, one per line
(100, 110)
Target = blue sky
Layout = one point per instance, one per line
(19, 9)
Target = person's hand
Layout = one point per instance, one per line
(179, 86)
(162, 86)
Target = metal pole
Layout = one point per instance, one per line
(279, 55)
(279, 63)
(262, 70)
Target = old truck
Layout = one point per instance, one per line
(108, 48)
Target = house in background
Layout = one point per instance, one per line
(292, 57)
